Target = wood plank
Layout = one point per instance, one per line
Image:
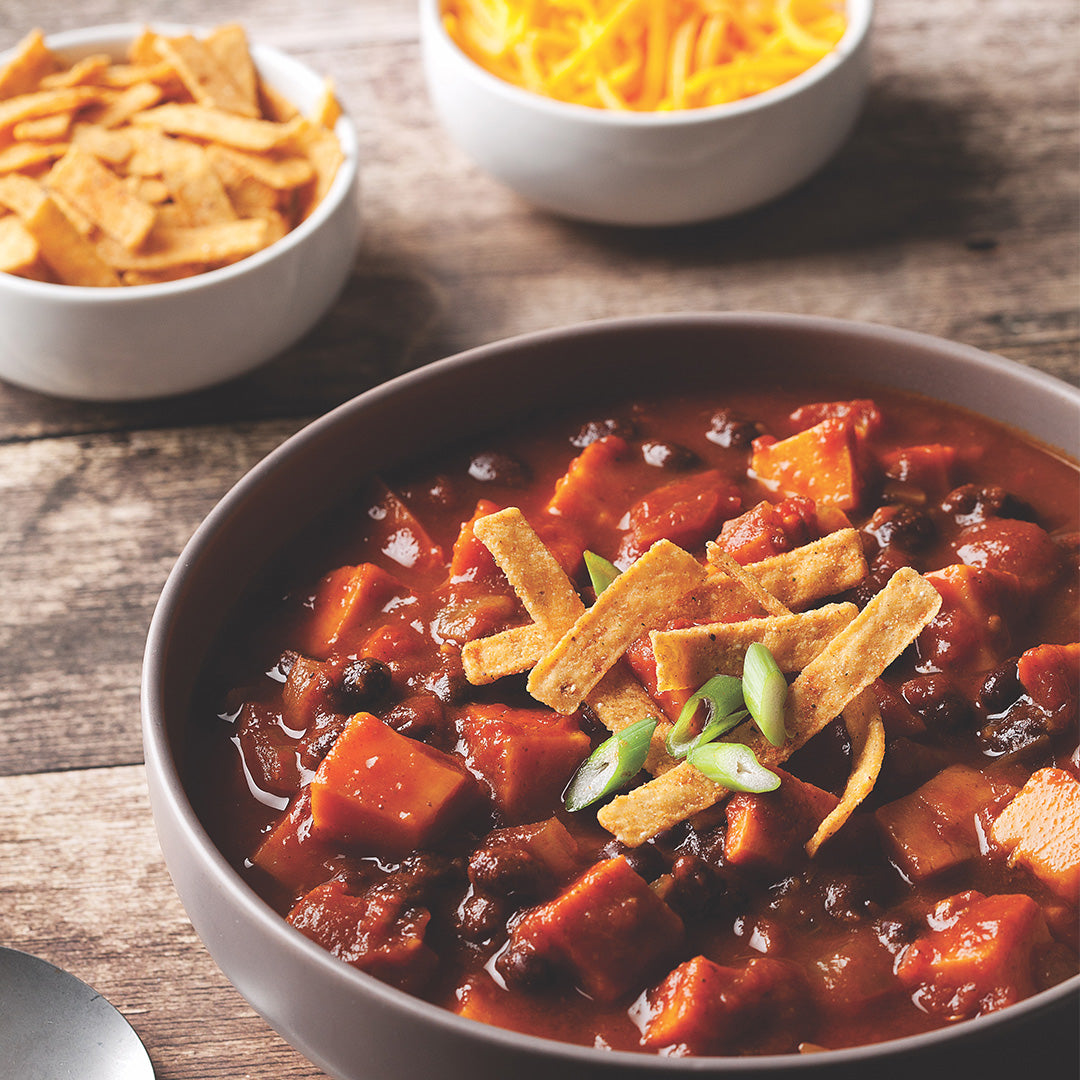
(90, 529)
(75, 904)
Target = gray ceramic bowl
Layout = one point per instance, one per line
(345, 1021)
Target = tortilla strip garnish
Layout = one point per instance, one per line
(840, 672)
(638, 599)
(689, 657)
(718, 557)
(549, 597)
(171, 247)
(215, 125)
(31, 63)
(204, 78)
(796, 578)
(867, 731)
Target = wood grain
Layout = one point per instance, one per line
(952, 210)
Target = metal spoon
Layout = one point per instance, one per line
(55, 1027)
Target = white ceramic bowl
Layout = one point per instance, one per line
(154, 340)
(662, 168)
(352, 1026)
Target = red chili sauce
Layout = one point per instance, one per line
(441, 859)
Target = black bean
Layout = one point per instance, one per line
(417, 716)
(600, 429)
(495, 467)
(480, 916)
(364, 683)
(972, 503)
(521, 966)
(903, 526)
(1022, 727)
(665, 455)
(938, 702)
(1001, 688)
(727, 430)
(645, 860)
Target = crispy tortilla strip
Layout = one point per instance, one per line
(156, 277)
(214, 125)
(102, 196)
(143, 48)
(18, 157)
(327, 110)
(18, 248)
(45, 103)
(839, 673)
(30, 64)
(134, 99)
(720, 558)
(112, 146)
(167, 248)
(274, 105)
(688, 658)
(633, 603)
(533, 572)
(64, 249)
(867, 732)
(796, 578)
(147, 188)
(160, 72)
(228, 45)
(620, 700)
(43, 128)
(20, 193)
(280, 174)
(195, 187)
(82, 73)
(323, 150)
(510, 652)
(207, 81)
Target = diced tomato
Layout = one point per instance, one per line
(687, 512)
(764, 830)
(642, 662)
(524, 756)
(977, 957)
(1041, 829)
(1013, 547)
(588, 495)
(608, 929)
(820, 462)
(376, 931)
(928, 468)
(387, 793)
(971, 631)
(525, 859)
(769, 529)
(397, 533)
(705, 1008)
(397, 644)
(1051, 676)
(308, 693)
(563, 539)
(863, 413)
(346, 600)
(937, 826)
(269, 755)
(470, 560)
(469, 611)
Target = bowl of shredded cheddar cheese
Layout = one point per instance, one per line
(647, 112)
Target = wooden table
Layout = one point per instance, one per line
(952, 210)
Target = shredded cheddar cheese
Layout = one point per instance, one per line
(645, 55)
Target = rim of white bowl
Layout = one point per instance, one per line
(344, 129)
(860, 15)
(162, 764)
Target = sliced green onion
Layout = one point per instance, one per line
(610, 765)
(765, 690)
(734, 765)
(601, 572)
(723, 697)
(715, 728)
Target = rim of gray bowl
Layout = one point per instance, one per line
(161, 760)
(347, 174)
(855, 34)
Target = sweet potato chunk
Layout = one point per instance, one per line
(1051, 676)
(608, 930)
(583, 494)
(524, 756)
(704, 1008)
(819, 462)
(385, 792)
(1041, 828)
(470, 560)
(642, 661)
(346, 599)
(977, 956)
(764, 830)
(770, 529)
(934, 828)
(291, 854)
